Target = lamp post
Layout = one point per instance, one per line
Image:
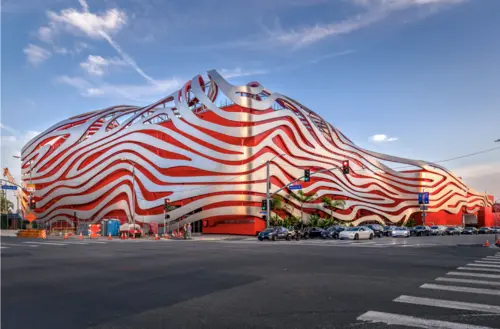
(132, 210)
(268, 187)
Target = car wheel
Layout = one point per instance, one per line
(274, 237)
(356, 237)
(297, 237)
(288, 237)
(261, 239)
(306, 236)
(371, 236)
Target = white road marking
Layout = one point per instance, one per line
(492, 258)
(478, 275)
(487, 262)
(2, 247)
(448, 304)
(461, 289)
(19, 245)
(47, 243)
(483, 282)
(479, 269)
(411, 321)
(484, 265)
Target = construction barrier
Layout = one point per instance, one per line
(32, 233)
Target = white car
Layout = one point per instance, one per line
(401, 231)
(356, 233)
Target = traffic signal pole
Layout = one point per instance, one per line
(268, 191)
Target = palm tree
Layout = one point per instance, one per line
(314, 220)
(333, 204)
(5, 204)
(302, 198)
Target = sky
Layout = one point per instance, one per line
(412, 78)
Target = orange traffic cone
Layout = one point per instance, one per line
(498, 242)
(109, 236)
(487, 243)
(166, 236)
(81, 236)
(156, 237)
(65, 236)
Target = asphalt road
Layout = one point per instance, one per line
(246, 284)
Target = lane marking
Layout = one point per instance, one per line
(2, 247)
(479, 269)
(492, 258)
(411, 321)
(448, 304)
(461, 289)
(483, 282)
(47, 243)
(20, 245)
(484, 265)
(478, 275)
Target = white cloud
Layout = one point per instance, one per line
(78, 48)
(94, 26)
(239, 72)
(96, 65)
(482, 177)
(381, 138)
(7, 128)
(35, 54)
(374, 12)
(146, 92)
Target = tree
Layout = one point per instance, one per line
(314, 219)
(333, 204)
(278, 203)
(302, 198)
(6, 205)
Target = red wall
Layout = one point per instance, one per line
(247, 225)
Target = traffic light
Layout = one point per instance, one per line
(166, 205)
(307, 175)
(32, 202)
(345, 166)
(264, 205)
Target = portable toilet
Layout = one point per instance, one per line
(114, 227)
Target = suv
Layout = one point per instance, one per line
(485, 230)
(311, 232)
(437, 230)
(378, 230)
(275, 233)
(470, 230)
(421, 230)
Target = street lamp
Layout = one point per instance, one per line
(133, 190)
(268, 187)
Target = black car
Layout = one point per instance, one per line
(378, 230)
(312, 232)
(388, 230)
(451, 231)
(332, 232)
(275, 233)
(421, 230)
(485, 230)
(470, 230)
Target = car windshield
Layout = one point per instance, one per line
(419, 227)
(450, 228)
(351, 229)
(270, 229)
(400, 229)
(434, 227)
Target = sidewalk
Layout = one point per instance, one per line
(8, 233)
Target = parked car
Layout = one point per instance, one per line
(388, 229)
(401, 231)
(496, 229)
(470, 230)
(356, 233)
(438, 230)
(275, 233)
(452, 231)
(332, 232)
(485, 230)
(377, 229)
(421, 230)
(311, 232)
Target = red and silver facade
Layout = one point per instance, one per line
(205, 148)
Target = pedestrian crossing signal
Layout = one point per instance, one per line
(307, 175)
(166, 204)
(345, 166)
(264, 205)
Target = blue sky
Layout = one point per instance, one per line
(424, 73)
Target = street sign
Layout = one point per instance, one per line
(426, 197)
(263, 212)
(423, 198)
(30, 217)
(9, 187)
(295, 187)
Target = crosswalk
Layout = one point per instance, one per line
(464, 280)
